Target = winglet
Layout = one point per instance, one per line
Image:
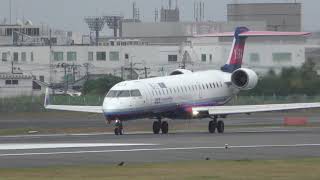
(47, 98)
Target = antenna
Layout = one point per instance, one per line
(10, 10)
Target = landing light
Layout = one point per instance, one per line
(195, 113)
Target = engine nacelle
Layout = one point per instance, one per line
(180, 71)
(244, 79)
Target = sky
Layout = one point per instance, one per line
(69, 14)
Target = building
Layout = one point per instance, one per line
(170, 14)
(278, 16)
(12, 85)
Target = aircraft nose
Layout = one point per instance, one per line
(110, 104)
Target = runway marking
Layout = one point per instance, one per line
(64, 145)
(160, 149)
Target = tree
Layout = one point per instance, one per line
(100, 86)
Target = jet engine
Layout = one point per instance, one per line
(244, 79)
(180, 71)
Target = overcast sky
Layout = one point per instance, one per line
(69, 14)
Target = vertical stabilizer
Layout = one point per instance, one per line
(236, 54)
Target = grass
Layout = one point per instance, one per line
(295, 169)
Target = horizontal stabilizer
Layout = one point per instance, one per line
(255, 34)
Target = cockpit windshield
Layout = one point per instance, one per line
(124, 93)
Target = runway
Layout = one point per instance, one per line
(104, 148)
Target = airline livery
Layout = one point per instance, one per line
(186, 94)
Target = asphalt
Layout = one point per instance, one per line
(87, 120)
(103, 148)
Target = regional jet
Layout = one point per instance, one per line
(185, 94)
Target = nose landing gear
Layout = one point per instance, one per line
(118, 130)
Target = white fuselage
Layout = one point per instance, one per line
(162, 96)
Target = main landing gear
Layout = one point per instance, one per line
(160, 125)
(215, 124)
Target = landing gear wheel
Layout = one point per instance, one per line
(220, 127)
(116, 131)
(156, 127)
(164, 127)
(212, 127)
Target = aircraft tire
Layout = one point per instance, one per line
(220, 127)
(116, 131)
(212, 127)
(156, 127)
(164, 127)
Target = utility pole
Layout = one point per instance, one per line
(131, 71)
(11, 67)
(146, 72)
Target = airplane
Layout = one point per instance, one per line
(185, 94)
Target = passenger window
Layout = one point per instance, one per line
(214, 86)
(217, 85)
(220, 84)
(207, 86)
(210, 85)
(135, 93)
(203, 86)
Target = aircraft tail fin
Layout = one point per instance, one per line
(236, 54)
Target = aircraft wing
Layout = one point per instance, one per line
(89, 109)
(246, 109)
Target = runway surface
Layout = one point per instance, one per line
(87, 149)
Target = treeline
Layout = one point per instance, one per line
(291, 81)
(100, 86)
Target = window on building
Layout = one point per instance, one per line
(254, 58)
(8, 82)
(172, 58)
(41, 78)
(23, 56)
(90, 56)
(71, 56)
(210, 57)
(203, 57)
(58, 56)
(114, 56)
(4, 57)
(15, 56)
(281, 57)
(31, 56)
(15, 82)
(126, 56)
(101, 56)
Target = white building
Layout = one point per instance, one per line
(199, 53)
